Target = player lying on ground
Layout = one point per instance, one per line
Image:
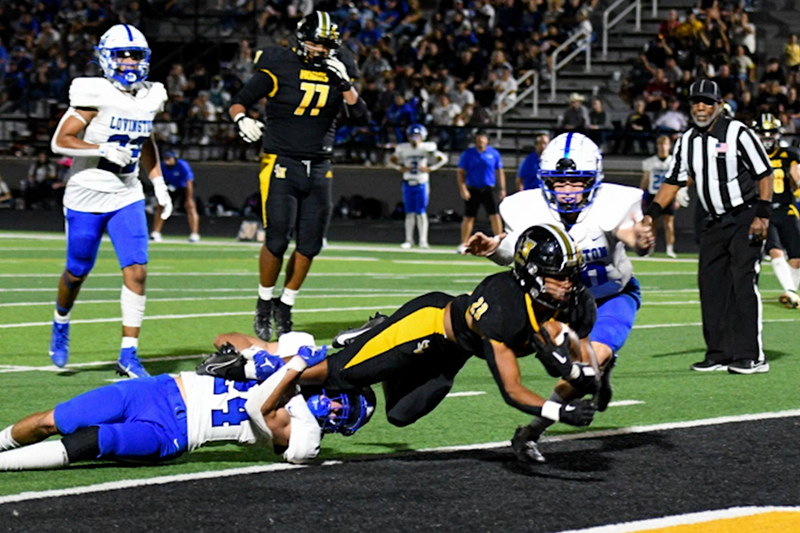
(417, 352)
(159, 418)
(602, 218)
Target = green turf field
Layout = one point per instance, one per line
(197, 291)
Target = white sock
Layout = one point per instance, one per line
(130, 342)
(783, 273)
(39, 456)
(289, 296)
(7, 442)
(132, 305)
(410, 218)
(266, 293)
(61, 319)
(795, 277)
(422, 228)
(670, 248)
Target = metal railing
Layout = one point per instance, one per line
(533, 88)
(584, 40)
(635, 5)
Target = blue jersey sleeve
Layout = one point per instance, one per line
(498, 159)
(188, 175)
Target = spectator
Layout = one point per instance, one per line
(38, 187)
(669, 26)
(672, 72)
(165, 130)
(528, 172)
(657, 92)
(638, 128)
(773, 72)
(599, 125)
(772, 100)
(792, 108)
(466, 68)
(180, 181)
(747, 110)
(727, 83)
(464, 99)
(445, 114)
(658, 52)
(480, 169)
(575, 117)
(398, 117)
(375, 66)
(688, 30)
(505, 88)
(743, 33)
(744, 67)
(792, 55)
(673, 121)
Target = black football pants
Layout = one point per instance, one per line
(729, 296)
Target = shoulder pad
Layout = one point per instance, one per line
(429, 146)
(793, 153)
(614, 205)
(306, 434)
(266, 56)
(88, 92)
(523, 209)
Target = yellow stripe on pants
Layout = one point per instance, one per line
(420, 323)
(264, 177)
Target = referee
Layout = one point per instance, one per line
(729, 165)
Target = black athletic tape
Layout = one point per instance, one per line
(763, 209)
(83, 445)
(654, 210)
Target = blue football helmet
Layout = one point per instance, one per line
(355, 411)
(119, 42)
(571, 156)
(417, 129)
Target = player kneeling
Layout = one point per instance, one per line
(160, 418)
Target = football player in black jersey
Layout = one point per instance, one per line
(783, 233)
(417, 352)
(305, 89)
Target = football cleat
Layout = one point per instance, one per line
(59, 344)
(606, 390)
(343, 338)
(283, 318)
(525, 447)
(262, 323)
(790, 300)
(155, 236)
(226, 363)
(194, 237)
(406, 245)
(129, 364)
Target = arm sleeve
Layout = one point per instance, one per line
(263, 83)
(754, 154)
(358, 112)
(678, 172)
(187, 170)
(499, 160)
(488, 350)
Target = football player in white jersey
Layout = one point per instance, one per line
(602, 218)
(654, 170)
(107, 130)
(159, 418)
(414, 160)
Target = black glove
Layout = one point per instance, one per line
(226, 363)
(584, 379)
(577, 413)
(555, 358)
(582, 313)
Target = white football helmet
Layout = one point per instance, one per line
(571, 156)
(120, 42)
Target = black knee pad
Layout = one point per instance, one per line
(83, 445)
(276, 242)
(310, 250)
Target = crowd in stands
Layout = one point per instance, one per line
(713, 41)
(449, 67)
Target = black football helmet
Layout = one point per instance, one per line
(547, 250)
(318, 28)
(769, 131)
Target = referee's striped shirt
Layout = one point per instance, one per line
(726, 162)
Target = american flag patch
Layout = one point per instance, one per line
(722, 148)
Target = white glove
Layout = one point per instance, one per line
(116, 153)
(682, 197)
(162, 196)
(249, 129)
(339, 71)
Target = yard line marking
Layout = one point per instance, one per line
(192, 315)
(435, 262)
(219, 298)
(191, 289)
(255, 273)
(6, 369)
(684, 519)
(625, 403)
(466, 393)
(161, 480)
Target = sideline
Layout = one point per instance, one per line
(161, 480)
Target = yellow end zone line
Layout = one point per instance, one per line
(162, 480)
(684, 519)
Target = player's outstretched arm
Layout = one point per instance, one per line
(481, 245)
(65, 140)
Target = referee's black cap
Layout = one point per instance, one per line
(705, 89)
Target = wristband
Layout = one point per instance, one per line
(763, 209)
(654, 210)
(551, 410)
(297, 364)
(238, 117)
